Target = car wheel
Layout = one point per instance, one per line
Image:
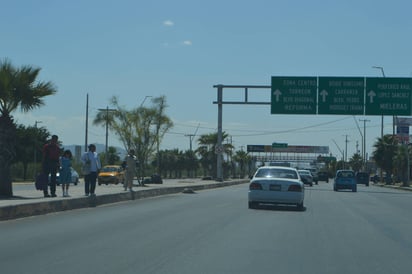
(300, 206)
(252, 205)
(311, 184)
(99, 184)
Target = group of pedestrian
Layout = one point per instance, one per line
(52, 163)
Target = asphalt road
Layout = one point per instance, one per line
(213, 231)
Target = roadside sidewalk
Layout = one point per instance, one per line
(395, 186)
(27, 201)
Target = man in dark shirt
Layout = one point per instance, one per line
(51, 156)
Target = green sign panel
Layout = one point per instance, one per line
(279, 145)
(388, 96)
(341, 95)
(293, 95)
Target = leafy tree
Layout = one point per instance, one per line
(191, 163)
(141, 129)
(161, 122)
(18, 90)
(112, 156)
(385, 150)
(29, 144)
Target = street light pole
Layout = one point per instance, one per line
(383, 74)
(364, 141)
(35, 147)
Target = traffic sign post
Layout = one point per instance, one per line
(293, 95)
(388, 96)
(341, 95)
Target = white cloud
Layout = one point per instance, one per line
(168, 23)
(187, 43)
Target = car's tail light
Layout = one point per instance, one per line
(255, 186)
(295, 188)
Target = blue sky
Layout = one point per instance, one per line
(180, 49)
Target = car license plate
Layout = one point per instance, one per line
(275, 187)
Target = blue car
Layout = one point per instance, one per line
(345, 179)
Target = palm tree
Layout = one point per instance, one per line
(401, 161)
(384, 153)
(206, 150)
(243, 159)
(162, 124)
(356, 162)
(18, 89)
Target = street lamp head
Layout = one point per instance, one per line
(380, 68)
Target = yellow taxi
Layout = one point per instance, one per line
(111, 174)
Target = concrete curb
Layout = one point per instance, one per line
(394, 187)
(44, 207)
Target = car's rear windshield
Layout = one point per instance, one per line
(276, 173)
(110, 169)
(346, 174)
(304, 172)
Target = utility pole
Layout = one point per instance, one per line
(191, 136)
(107, 131)
(190, 139)
(340, 150)
(346, 150)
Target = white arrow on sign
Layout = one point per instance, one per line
(323, 93)
(277, 93)
(371, 94)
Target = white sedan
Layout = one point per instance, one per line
(276, 185)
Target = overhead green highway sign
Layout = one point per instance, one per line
(279, 145)
(341, 95)
(388, 96)
(293, 95)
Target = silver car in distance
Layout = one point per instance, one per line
(276, 185)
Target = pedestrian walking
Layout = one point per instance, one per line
(130, 170)
(66, 172)
(50, 164)
(91, 167)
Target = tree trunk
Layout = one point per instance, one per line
(7, 153)
(5, 181)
